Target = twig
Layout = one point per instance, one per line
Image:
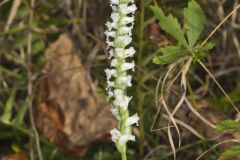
(220, 24)
(12, 14)
(3, 2)
(30, 81)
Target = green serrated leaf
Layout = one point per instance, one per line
(230, 153)
(208, 46)
(170, 54)
(228, 124)
(194, 21)
(7, 112)
(170, 25)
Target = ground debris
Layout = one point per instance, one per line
(69, 113)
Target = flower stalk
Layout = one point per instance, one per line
(118, 38)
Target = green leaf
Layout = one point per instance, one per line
(170, 25)
(23, 40)
(208, 46)
(7, 113)
(194, 21)
(228, 124)
(230, 153)
(38, 46)
(170, 54)
(18, 119)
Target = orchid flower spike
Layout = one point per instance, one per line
(118, 39)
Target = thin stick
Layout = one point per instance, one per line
(220, 24)
(30, 81)
(219, 86)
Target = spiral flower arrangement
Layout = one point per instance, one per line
(118, 38)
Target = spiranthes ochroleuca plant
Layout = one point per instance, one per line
(118, 38)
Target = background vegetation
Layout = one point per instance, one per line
(208, 90)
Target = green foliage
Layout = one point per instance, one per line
(170, 25)
(228, 124)
(7, 113)
(18, 119)
(170, 54)
(204, 48)
(230, 153)
(194, 21)
(222, 102)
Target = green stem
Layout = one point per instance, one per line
(123, 154)
(124, 114)
(139, 99)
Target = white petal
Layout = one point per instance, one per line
(110, 54)
(125, 30)
(110, 93)
(110, 73)
(132, 120)
(121, 100)
(109, 43)
(114, 111)
(125, 9)
(126, 137)
(110, 25)
(130, 52)
(125, 80)
(114, 62)
(120, 52)
(115, 133)
(127, 66)
(123, 41)
(127, 20)
(110, 33)
(118, 92)
(115, 17)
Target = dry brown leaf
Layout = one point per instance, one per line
(157, 37)
(69, 113)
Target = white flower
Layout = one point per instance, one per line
(110, 83)
(114, 111)
(118, 37)
(125, 9)
(121, 100)
(130, 52)
(115, 133)
(126, 137)
(110, 93)
(114, 62)
(126, 66)
(123, 41)
(110, 54)
(110, 73)
(110, 25)
(119, 52)
(125, 30)
(132, 120)
(125, 80)
(110, 44)
(118, 92)
(124, 53)
(110, 34)
(127, 20)
(115, 17)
